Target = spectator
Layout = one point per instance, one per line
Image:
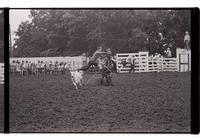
(132, 63)
(156, 56)
(168, 53)
(151, 57)
(187, 40)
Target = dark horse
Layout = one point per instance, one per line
(108, 68)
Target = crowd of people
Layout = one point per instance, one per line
(156, 56)
(34, 68)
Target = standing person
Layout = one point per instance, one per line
(19, 68)
(93, 60)
(111, 58)
(168, 53)
(34, 68)
(22, 67)
(51, 67)
(46, 66)
(109, 54)
(132, 63)
(187, 40)
(29, 68)
(56, 67)
(26, 68)
(13, 67)
(38, 66)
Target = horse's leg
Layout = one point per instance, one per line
(21, 73)
(111, 83)
(107, 80)
(102, 80)
(110, 79)
(75, 86)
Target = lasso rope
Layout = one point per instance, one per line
(96, 73)
(90, 78)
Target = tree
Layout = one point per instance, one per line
(73, 32)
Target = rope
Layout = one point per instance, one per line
(95, 74)
(90, 78)
(107, 68)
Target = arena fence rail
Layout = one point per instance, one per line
(145, 63)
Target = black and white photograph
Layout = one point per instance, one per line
(1, 70)
(99, 70)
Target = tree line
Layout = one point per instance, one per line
(73, 32)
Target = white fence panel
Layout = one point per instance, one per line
(144, 63)
(155, 65)
(141, 62)
(123, 57)
(169, 64)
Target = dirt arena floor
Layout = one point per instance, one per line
(139, 102)
(1, 108)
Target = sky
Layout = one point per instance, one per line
(16, 17)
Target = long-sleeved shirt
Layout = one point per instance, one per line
(96, 55)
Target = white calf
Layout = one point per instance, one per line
(77, 78)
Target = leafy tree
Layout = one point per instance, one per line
(73, 32)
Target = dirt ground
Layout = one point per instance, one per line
(139, 102)
(1, 108)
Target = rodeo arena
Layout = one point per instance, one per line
(153, 85)
(103, 92)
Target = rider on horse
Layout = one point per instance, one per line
(106, 60)
(108, 67)
(93, 60)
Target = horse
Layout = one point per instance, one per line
(108, 67)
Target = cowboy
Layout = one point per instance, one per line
(109, 54)
(187, 40)
(111, 58)
(132, 63)
(93, 59)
